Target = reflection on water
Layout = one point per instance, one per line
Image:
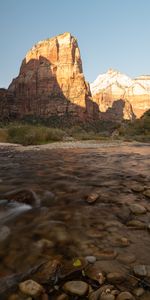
(64, 224)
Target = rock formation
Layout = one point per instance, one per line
(51, 81)
(118, 96)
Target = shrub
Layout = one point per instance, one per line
(33, 135)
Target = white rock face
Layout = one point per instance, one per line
(113, 86)
(110, 78)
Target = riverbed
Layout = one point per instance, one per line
(85, 196)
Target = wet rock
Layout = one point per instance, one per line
(44, 297)
(23, 196)
(105, 289)
(137, 209)
(140, 270)
(138, 292)
(124, 242)
(17, 297)
(48, 198)
(113, 224)
(104, 267)
(115, 277)
(44, 244)
(137, 188)
(126, 258)
(147, 193)
(125, 296)
(136, 224)
(4, 233)
(107, 254)
(79, 288)
(146, 296)
(63, 297)
(107, 297)
(31, 288)
(91, 259)
(92, 198)
(70, 268)
(48, 271)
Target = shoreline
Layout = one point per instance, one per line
(73, 144)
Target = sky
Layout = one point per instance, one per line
(110, 33)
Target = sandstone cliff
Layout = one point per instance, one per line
(51, 81)
(114, 92)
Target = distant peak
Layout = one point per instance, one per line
(112, 71)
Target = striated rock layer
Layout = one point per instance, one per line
(117, 95)
(51, 81)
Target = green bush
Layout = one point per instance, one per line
(33, 135)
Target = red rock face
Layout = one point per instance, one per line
(51, 81)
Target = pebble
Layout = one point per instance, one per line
(4, 233)
(137, 188)
(126, 258)
(63, 297)
(115, 277)
(31, 288)
(137, 209)
(48, 198)
(91, 259)
(140, 270)
(146, 296)
(138, 292)
(147, 193)
(107, 254)
(107, 297)
(92, 198)
(136, 224)
(79, 288)
(125, 296)
(105, 289)
(44, 243)
(124, 242)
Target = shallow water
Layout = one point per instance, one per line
(65, 224)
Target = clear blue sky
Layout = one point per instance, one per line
(111, 33)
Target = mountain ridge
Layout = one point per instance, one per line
(114, 85)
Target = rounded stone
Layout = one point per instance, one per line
(92, 198)
(115, 277)
(107, 297)
(79, 288)
(140, 270)
(147, 193)
(4, 233)
(63, 297)
(137, 188)
(126, 258)
(125, 296)
(31, 288)
(136, 224)
(138, 291)
(137, 209)
(91, 259)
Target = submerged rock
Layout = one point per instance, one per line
(137, 209)
(23, 196)
(79, 288)
(147, 193)
(125, 296)
(31, 288)
(4, 233)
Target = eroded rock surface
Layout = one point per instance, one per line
(51, 81)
